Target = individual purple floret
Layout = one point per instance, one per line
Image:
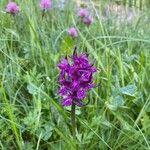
(83, 13)
(73, 32)
(12, 8)
(45, 4)
(75, 78)
(88, 20)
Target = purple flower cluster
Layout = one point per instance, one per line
(12, 8)
(75, 78)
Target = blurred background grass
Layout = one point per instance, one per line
(118, 115)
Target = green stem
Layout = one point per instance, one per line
(73, 121)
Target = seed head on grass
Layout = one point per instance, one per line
(45, 4)
(75, 79)
(12, 8)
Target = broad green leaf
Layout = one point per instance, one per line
(45, 132)
(31, 89)
(129, 90)
(116, 102)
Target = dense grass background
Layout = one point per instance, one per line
(31, 115)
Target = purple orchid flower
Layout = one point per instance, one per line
(75, 78)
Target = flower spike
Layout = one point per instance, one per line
(75, 78)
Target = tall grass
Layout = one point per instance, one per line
(31, 115)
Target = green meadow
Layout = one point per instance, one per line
(32, 43)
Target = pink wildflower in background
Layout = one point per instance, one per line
(12, 8)
(73, 32)
(45, 4)
(88, 20)
(83, 13)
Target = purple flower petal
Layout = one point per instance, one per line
(64, 64)
(67, 101)
(63, 91)
(86, 76)
(75, 85)
(81, 94)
